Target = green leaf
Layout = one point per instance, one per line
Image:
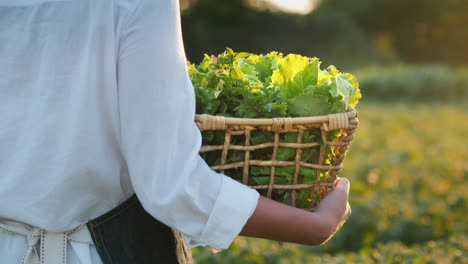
(346, 90)
(241, 55)
(307, 174)
(342, 87)
(259, 137)
(259, 170)
(291, 137)
(248, 69)
(264, 66)
(285, 154)
(262, 180)
(295, 73)
(284, 175)
(308, 105)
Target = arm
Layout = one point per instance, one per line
(160, 143)
(273, 220)
(159, 138)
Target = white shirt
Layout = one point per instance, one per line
(95, 105)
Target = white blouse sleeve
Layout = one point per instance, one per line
(160, 140)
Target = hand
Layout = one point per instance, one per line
(277, 221)
(334, 209)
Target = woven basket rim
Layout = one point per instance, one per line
(351, 113)
(213, 122)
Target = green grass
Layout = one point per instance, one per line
(255, 251)
(408, 167)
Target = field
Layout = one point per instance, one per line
(408, 168)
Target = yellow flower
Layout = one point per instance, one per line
(255, 90)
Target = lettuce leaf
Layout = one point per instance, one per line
(294, 74)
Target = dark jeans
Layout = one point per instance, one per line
(129, 235)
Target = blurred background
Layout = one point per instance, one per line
(408, 164)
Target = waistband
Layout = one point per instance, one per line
(52, 245)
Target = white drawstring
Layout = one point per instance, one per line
(53, 245)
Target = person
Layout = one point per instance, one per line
(99, 149)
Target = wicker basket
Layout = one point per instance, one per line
(346, 123)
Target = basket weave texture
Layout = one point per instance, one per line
(346, 123)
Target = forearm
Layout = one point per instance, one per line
(276, 221)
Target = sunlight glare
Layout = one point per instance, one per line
(294, 6)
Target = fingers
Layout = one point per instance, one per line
(343, 184)
(348, 211)
(345, 217)
(342, 188)
(340, 193)
(336, 202)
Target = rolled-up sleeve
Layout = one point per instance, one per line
(159, 139)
